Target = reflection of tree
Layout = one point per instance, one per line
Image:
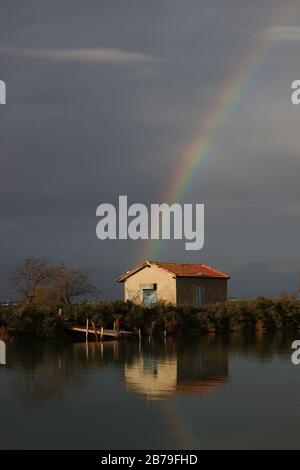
(46, 372)
(261, 347)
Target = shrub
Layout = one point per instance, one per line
(273, 314)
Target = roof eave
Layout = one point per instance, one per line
(133, 271)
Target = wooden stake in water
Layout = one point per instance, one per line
(87, 330)
(95, 331)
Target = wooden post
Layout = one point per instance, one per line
(87, 330)
(60, 312)
(165, 334)
(87, 351)
(95, 331)
(102, 331)
(140, 335)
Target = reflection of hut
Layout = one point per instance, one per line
(155, 379)
(200, 387)
(201, 373)
(164, 377)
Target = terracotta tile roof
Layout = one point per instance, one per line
(194, 270)
(178, 270)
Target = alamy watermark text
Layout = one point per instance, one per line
(2, 92)
(295, 97)
(160, 221)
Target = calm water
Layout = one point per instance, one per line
(207, 393)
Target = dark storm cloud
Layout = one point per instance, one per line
(103, 98)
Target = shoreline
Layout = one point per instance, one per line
(259, 316)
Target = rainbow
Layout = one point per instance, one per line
(226, 99)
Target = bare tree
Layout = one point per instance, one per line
(42, 284)
(71, 283)
(26, 277)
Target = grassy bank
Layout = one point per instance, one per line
(243, 316)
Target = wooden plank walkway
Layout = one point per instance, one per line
(102, 333)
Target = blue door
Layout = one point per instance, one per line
(149, 297)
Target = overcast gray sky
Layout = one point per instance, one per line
(103, 97)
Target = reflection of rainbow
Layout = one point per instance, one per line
(225, 100)
(178, 428)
